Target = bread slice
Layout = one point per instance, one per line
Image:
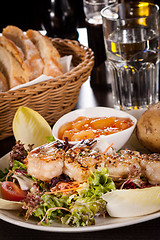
(31, 53)
(11, 68)
(48, 53)
(3, 83)
(17, 53)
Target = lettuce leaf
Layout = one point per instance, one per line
(78, 209)
(98, 184)
(3, 174)
(18, 165)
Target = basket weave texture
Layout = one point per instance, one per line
(51, 98)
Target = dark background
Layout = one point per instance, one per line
(28, 14)
(23, 14)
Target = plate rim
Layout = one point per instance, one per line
(69, 229)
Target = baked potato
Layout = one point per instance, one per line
(148, 128)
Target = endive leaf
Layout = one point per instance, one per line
(30, 127)
(24, 182)
(10, 205)
(133, 202)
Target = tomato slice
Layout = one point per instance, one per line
(11, 191)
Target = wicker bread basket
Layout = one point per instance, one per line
(52, 98)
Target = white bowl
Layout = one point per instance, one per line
(118, 139)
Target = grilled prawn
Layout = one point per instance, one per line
(45, 162)
(123, 164)
(50, 160)
(131, 164)
(150, 167)
(79, 162)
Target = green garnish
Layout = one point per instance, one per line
(77, 209)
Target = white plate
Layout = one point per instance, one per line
(101, 223)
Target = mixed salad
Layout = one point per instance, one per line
(61, 199)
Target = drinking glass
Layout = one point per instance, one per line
(131, 33)
(93, 20)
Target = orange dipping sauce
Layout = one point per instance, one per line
(86, 128)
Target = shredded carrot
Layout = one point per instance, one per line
(108, 148)
(10, 172)
(66, 187)
(79, 182)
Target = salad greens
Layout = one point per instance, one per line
(79, 208)
(3, 174)
(18, 165)
(75, 208)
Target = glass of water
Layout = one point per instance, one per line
(131, 33)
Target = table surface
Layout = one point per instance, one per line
(88, 97)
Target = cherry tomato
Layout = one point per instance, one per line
(11, 191)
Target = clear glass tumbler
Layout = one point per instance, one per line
(131, 33)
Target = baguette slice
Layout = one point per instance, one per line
(31, 53)
(48, 53)
(17, 53)
(11, 68)
(3, 83)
